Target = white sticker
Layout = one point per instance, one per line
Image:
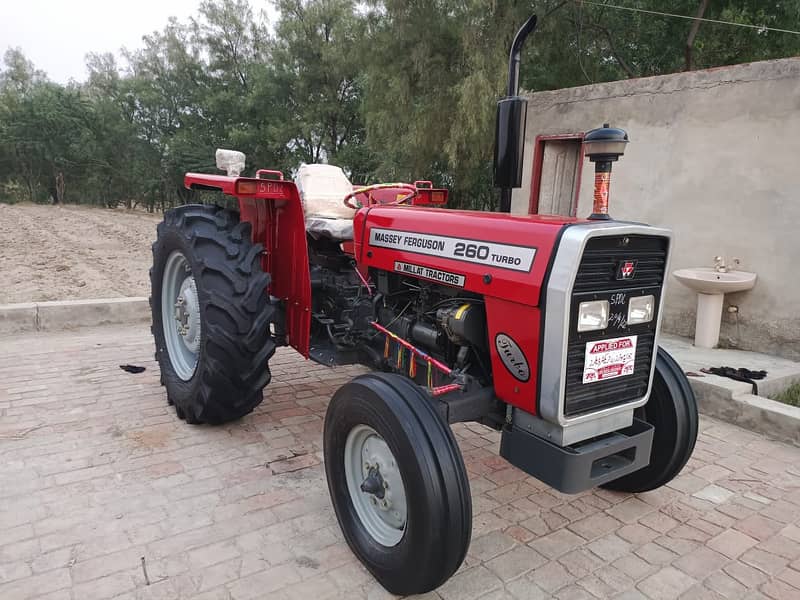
(502, 256)
(428, 273)
(608, 359)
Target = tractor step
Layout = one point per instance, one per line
(573, 469)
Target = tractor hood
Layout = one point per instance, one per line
(493, 254)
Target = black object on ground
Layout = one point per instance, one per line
(132, 368)
(745, 375)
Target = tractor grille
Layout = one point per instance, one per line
(597, 279)
(602, 255)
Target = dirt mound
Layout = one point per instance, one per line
(73, 252)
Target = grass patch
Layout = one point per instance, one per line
(790, 395)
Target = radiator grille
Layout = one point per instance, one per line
(602, 255)
(597, 278)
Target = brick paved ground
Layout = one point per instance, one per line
(96, 473)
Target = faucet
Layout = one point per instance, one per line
(719, 264)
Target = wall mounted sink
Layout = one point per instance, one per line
(708, 280)
(711, 286)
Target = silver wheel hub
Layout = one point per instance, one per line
(180, 315)
(375, 485)
(187, 314)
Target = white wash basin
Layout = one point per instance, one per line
(711, 286)
(707, 280)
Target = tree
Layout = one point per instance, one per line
(316, 58)
(387, 89)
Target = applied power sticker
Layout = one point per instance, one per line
(502, 256)
(428, 273)
(608, 359)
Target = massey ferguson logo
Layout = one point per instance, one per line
(626, 269)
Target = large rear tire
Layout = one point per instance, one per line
(397, 482)
(672, 411)
(211, 314)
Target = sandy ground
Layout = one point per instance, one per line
(73, 252)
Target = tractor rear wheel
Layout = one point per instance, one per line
(398, 483)
(672, 411)
(211, 314)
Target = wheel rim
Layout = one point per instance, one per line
(375, 485)
(180, 315)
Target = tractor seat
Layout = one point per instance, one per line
(322, 190)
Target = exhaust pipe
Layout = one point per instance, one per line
(509, 136)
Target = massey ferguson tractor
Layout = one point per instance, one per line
(543, 328)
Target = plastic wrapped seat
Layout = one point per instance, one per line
(322, 191)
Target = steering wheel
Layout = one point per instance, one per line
(412, 193)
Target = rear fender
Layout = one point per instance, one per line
(276, 215)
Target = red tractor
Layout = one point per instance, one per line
(543, 328)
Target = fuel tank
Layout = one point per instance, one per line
(493, 254)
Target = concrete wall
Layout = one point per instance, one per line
(715, 156)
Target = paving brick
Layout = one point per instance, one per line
(105, 565)
(551, 577)
(712, 473)
(790, 576)
(781, 510)
(731, 543)
(263, 583)
(609, 547)
(656, 554)
(634, 567)
(631, 510)
(573, 592)
(759, 527)
(595, 525)
(557, 543)
(778, 590)
(471, 583)
(523, 589)
(515, 562)
(714, 494)
(700, 562)
(658, 521)
(763, 561)
(725, 585)
(748, 576)
(241, 511)
(36, 586)
(637, 534)
(677, 545)
(219, 574)
(105, 587)
(666, 584)
(580, 562)
(13, 571)
(490, 545)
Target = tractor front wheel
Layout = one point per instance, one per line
(211, 314)
(672, 411)
(397, 482)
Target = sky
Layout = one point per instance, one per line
(57, 34)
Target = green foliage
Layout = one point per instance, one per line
(790, 395)
(387, 89)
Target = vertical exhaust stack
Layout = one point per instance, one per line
(509, 137)
(603, 146)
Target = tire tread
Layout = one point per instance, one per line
(237, 344)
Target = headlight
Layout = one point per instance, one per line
(593, 315)
(640, 309)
